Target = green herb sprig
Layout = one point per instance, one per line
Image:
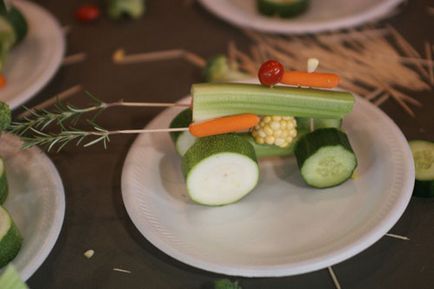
(66, 117)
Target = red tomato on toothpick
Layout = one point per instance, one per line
(270, 72)
(87, 13)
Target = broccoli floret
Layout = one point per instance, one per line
(130, 8)
(226, 284)
(218, 69)
(5, 116)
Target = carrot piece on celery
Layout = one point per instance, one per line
(223, 125)
(2, 81)
(311, 79)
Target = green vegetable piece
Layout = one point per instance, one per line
(226, 284)
(282, 8)
(3, 183)
(325, 158)
(211, 100)
(10, 238)
(117, 9)
(10, 279)
(423, 155)
(3, 7)
(19, 23)
(220, 169)
(183, 119)
(264, 150)
(5, 116)
(218, 69)
(308, 123)
(183, 139)
(7, 39)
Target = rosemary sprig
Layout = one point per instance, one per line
(39, 120)
(32, 127)
(65, 136)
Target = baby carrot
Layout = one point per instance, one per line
(224, 124)
(313, 79)
(2, 81)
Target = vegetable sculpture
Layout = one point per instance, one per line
(13, 29)
(222, 168)
(228, 126)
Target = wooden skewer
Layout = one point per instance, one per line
(408, 49)
(195, 59)
(135, 131)
(74, 58)
(398, 237)
(148, 104)
(53, 100)
(382, 99)
(120, 57)
(122, 270)
(334, 278)
(428, 54)
(374, 94)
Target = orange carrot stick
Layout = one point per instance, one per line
(224, 124)
(2, 81)
(311, 79)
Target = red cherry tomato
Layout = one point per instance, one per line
(87, 13)
(270, 72)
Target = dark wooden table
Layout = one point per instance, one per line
(95, 215)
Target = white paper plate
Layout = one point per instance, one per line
(36, 202)
(283, 227)
(34, 61)
(321, 16)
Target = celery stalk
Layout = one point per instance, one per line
(211, 100)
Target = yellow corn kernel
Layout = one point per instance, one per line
(268, 130)
(269, 139)
(259, 140)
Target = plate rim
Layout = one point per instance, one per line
(59, 215)
(345, 252)
(56, 59)
(290, 28)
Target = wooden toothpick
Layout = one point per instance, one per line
(74, 58)
(334, 278)
(397, 237)
(120, 57)
(53, 100)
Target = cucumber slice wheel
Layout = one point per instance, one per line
(3, 183)
(282, 8)
(10, 238)
(183, 140)
(423, 155)
(10, 279)
(325, 158)
(220, 169)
